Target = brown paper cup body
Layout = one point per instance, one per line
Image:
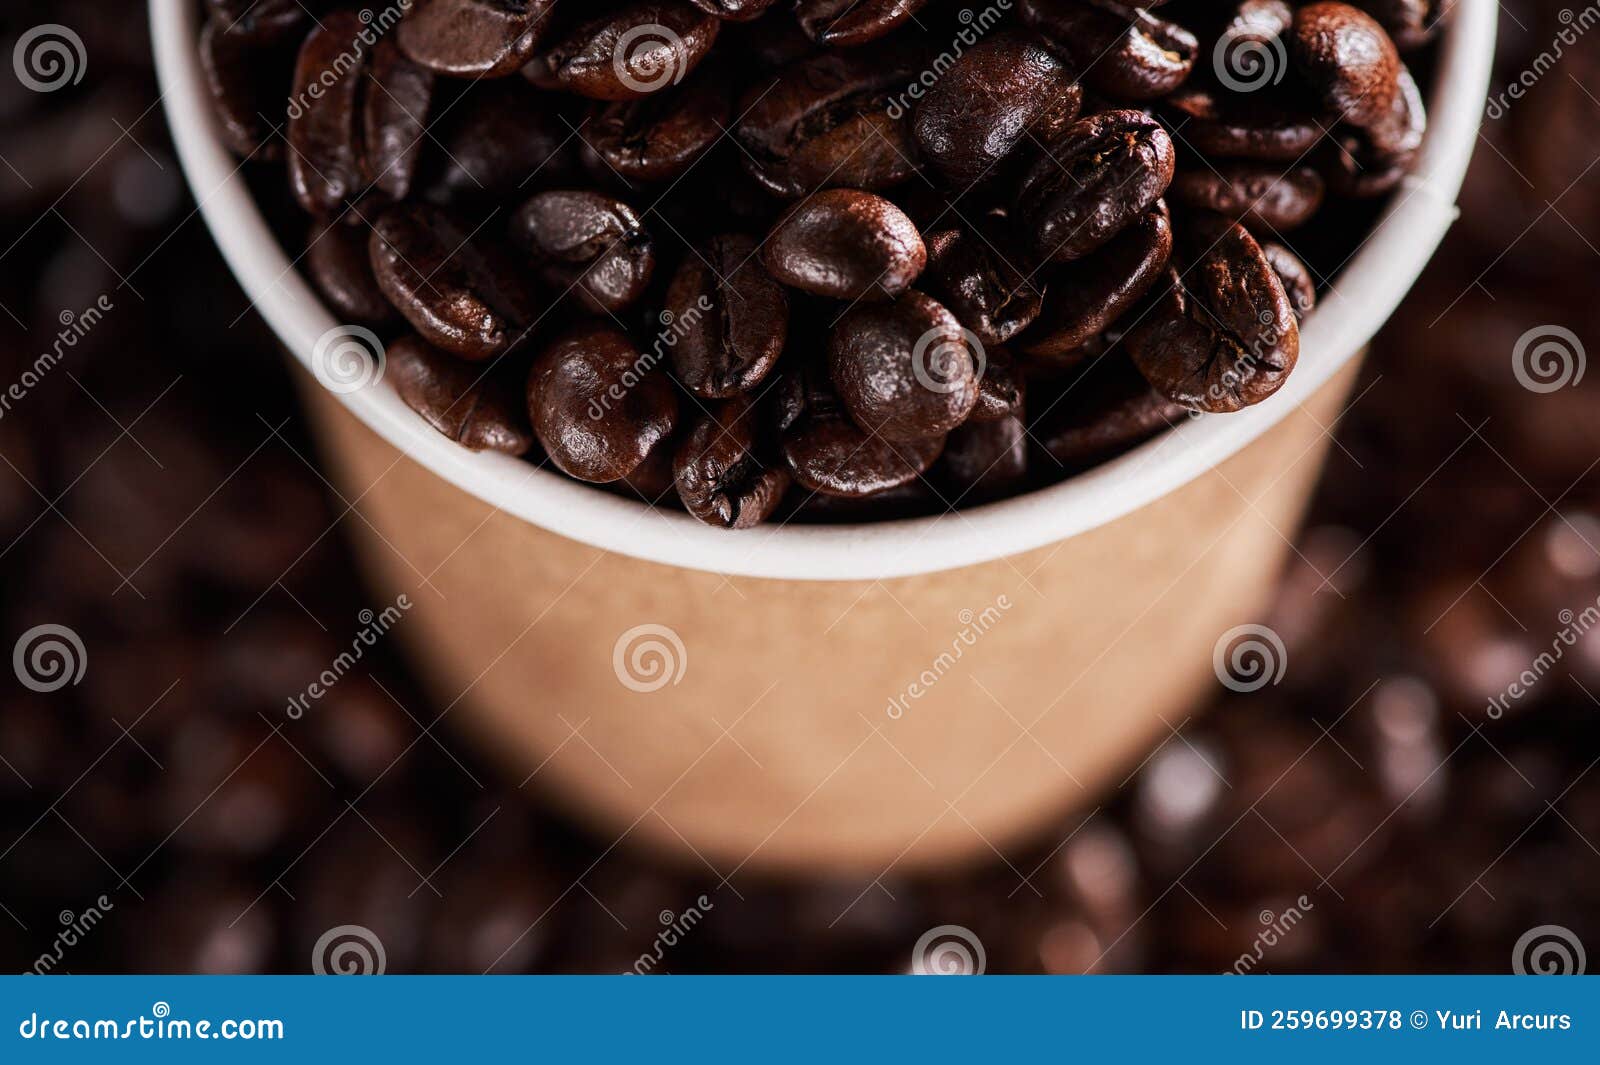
(824, 726)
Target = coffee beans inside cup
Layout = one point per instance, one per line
(820, 260)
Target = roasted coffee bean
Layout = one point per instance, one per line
(1088, 296)
(1298, 284)
(652, 480)
(474, 38)
(973, 275)
(661, 136)
(460, 292)
(905, 370)
(725, 473)
(1254, 126)
(258, 21)
(1260, 196)
(1225, 336)
(1111, 410)
(1003, 91)
(589, 243)
(830, 119)
(1099, 175)
(734, 10)
(340, 265)
(1122, 51)
(645, 47)
(363, 133)
(501, 139)
(1348, 60)
(470, 404)
(731, 317)
(247, 90)
(847, 23)
(846, 245)
(598, 405)
(828, 453)
(1369, 162)
(1411, 23)
(985, 460)
(1001, 390)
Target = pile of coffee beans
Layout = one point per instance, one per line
(829, 258)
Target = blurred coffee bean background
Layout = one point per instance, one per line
(1417, 793)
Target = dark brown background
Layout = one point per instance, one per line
(158, 496)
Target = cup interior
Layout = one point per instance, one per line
(1362, 296)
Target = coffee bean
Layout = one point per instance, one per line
(828, 453)
(732, 318)
(1090, 295)
(973, 274)
(1364, 163)
(258, 21)
(985, 460)
(599, 405)
(469, 404)
(847, 23)
(846, 245)
(1255, 126)
(734, 10)
(1411, 24)
(661, 136)
(1349, 61)
(1111, 410)
(1122, 51)
(462, 293)
(589, 243)
(1298, 284)
(905, 370)
(830, 119)
(725, 473)
(499, 140)
(339, 264)
(1260, 196)
(644, 47)
(1001, 390)
(1099, 175)
(247, 91)
(1002, 92)
(1225, 336)
(474, 38)
(395, 102)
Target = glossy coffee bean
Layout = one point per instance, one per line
(1100, 174)
(1001, 389)
(247, 88)
(905, 370)
(1260, 196)
(340, 266)
(587, 243)
(1090, 295)
(830, 119)
(1124, 52)
(726, 473)
(731, 316)
(734, 10)
(1411, 24)
(599, 405)
(661, 136)
(846, 245)
(1369, 162)
(466, 403)
(848, 23)
(394, 114)
(1240, 126)
(1347, 58)
(828, 453)
(985, 460)
(999, 94)
(1111, 410)
(460, 292)
(975, 275)
(644, 47)
(474, 38)
(500, 140)
(1298, 284)
(1225, 336)
(258, 21)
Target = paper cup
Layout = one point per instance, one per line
(890, 695)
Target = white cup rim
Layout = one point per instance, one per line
(1364, 294)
